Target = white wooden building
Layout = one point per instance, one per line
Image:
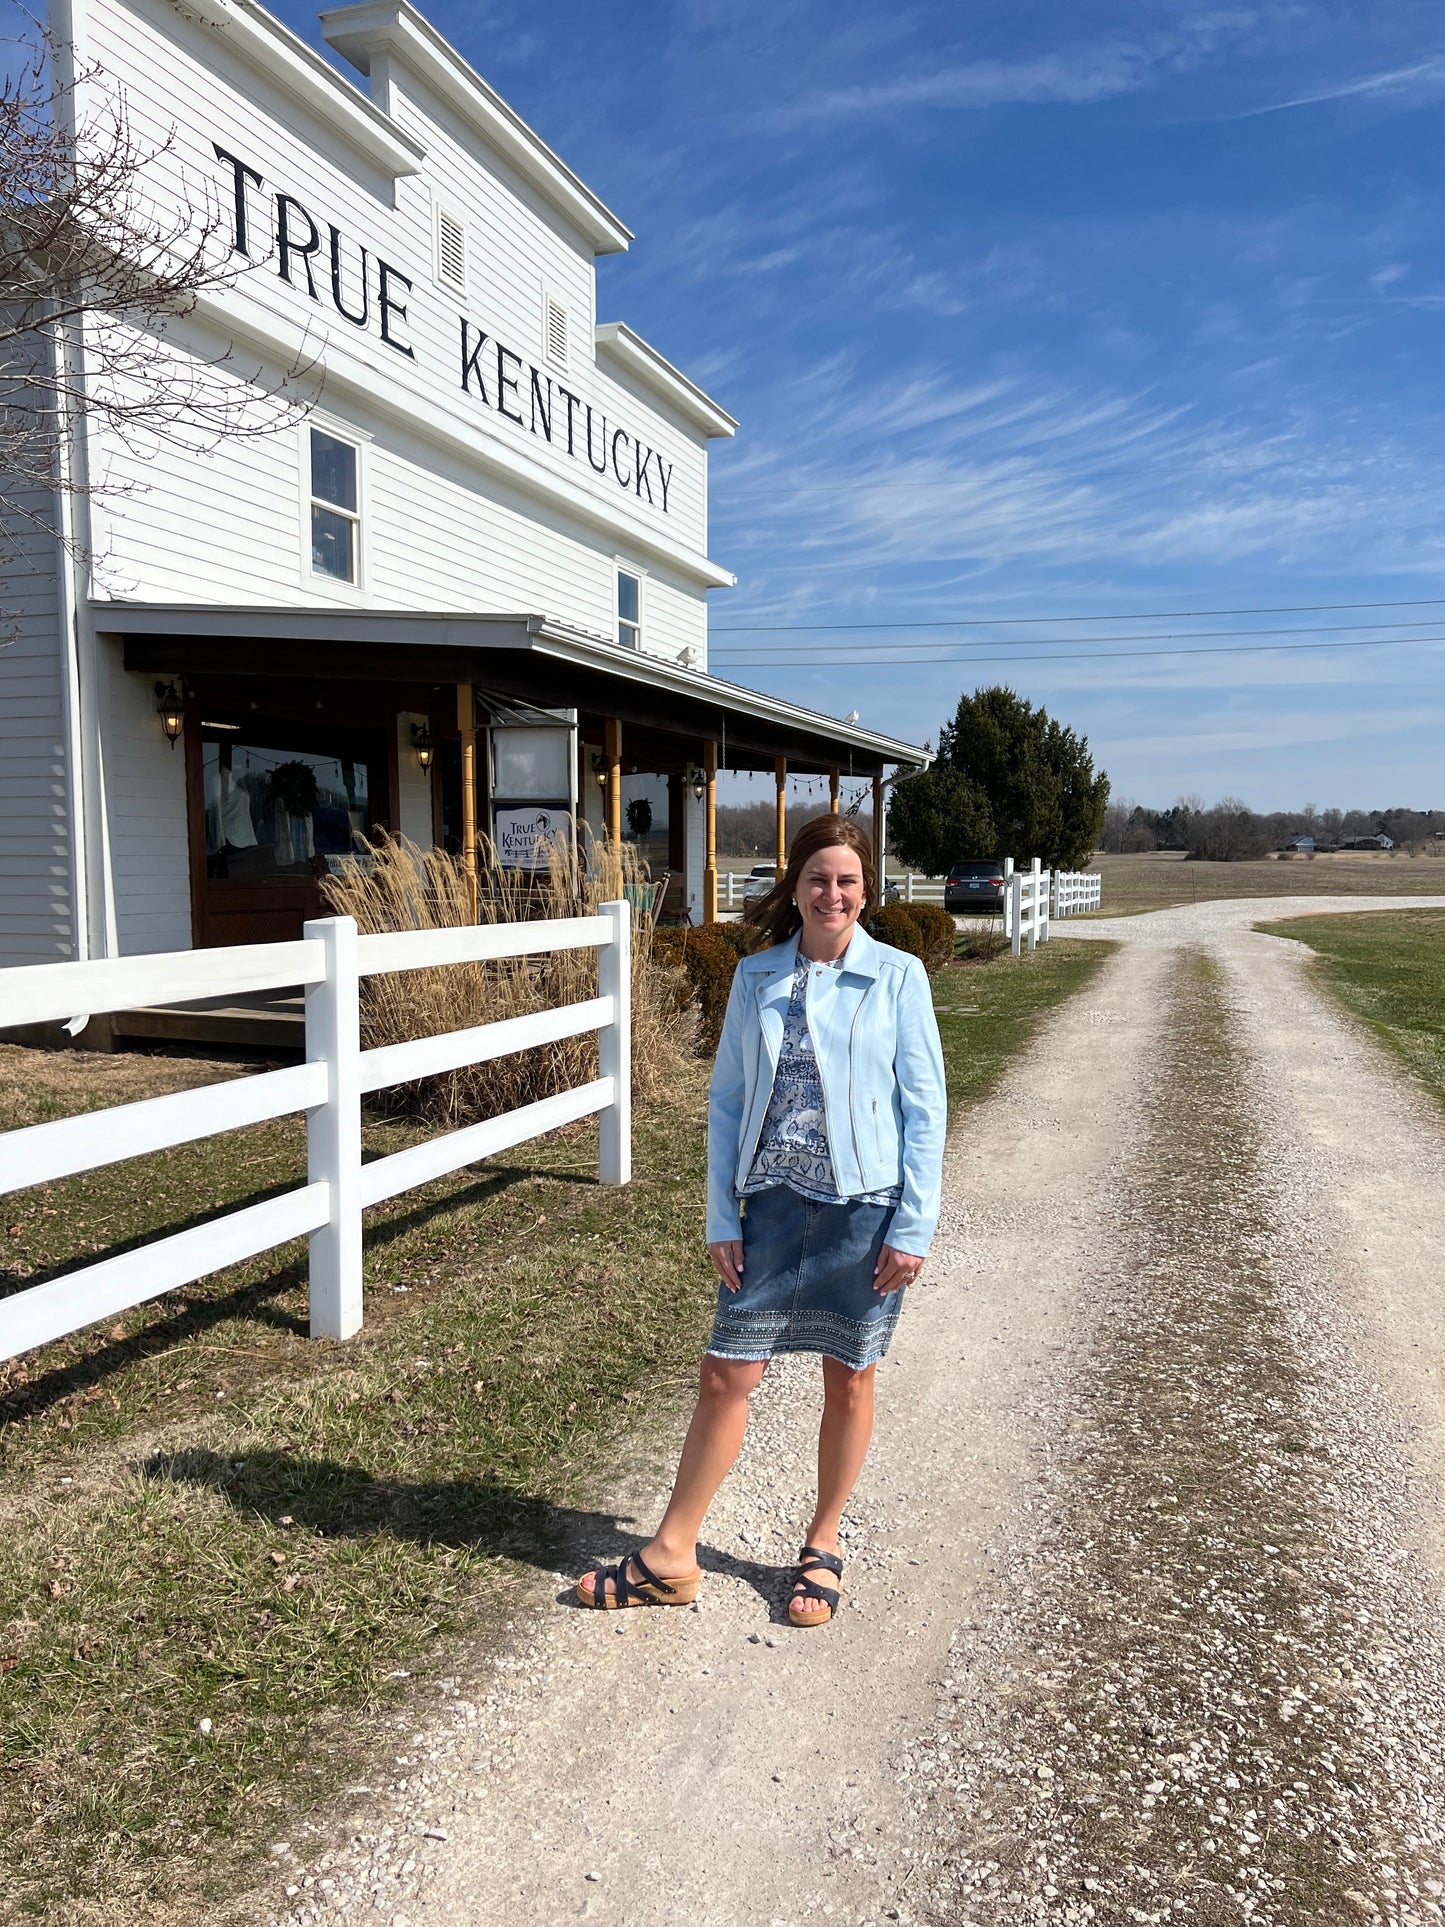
(483, 549)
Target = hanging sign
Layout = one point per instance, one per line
(526, 834)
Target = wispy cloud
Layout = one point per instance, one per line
(1425, 77)
(1075, 77)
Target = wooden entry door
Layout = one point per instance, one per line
(273, 806)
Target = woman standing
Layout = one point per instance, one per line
(826, 1119)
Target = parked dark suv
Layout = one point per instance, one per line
(975, 886)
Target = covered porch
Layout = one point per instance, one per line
(301, 728)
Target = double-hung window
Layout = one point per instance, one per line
(335, 507)
(629, 609)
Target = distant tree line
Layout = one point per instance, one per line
(751, 829)
(1229, 831)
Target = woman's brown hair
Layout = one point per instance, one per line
(776, 916)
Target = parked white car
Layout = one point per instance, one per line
(758, 881)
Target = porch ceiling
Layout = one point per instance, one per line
(530, 658)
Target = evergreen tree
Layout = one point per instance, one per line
(1008, 781)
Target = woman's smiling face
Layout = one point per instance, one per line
(830, 900)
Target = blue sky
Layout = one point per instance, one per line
(1039, 309)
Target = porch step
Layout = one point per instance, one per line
(270, 1021)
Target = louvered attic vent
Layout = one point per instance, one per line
(556, 332)
(451, 251)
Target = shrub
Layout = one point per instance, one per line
(894, 923)
(938, 932)
(403, 887)
(922, 929)
(708, 955)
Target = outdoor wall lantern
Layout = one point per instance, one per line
(168, 708)
(599, 770)
(422, 743)
(697, 783)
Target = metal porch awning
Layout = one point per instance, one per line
(530, 658)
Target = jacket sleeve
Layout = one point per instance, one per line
(923, 1095)
(725, 1117)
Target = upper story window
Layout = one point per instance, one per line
(629, 609)
(335, 507)
(451, 251)
(554, 329)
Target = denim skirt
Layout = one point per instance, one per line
(808, 1282)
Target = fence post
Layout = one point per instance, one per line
(1016, 910)
(614, 1048)
(333, 1130)
(1034, 872)
(908, 888)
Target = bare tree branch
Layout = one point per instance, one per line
(100, 260)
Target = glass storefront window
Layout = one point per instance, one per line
(274, 813)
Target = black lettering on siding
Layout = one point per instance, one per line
(242, 174)
(286, 246)
(573, 403)
(506, 382)
(620, 435)
(664, 475)
(388, 305)
(471, 365)
(539, 407)
(357, 320)
(601, 466)
(644, 462)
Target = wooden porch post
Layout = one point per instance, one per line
(833, 790)
(709, 859)
(878, 851)
(467, 724)
(612, 752)
(780, 777)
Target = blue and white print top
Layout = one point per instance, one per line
(793, 1144)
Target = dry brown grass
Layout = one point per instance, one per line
(405, 887)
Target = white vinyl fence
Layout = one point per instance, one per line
(1025, 905)
(329, 961)
(1076, 891)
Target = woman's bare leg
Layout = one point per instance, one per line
(714, 1439)
(843, 1440)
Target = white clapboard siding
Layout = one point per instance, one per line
(36, 898)
(519, 247)
(146, 810)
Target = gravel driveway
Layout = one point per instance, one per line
(1143, 1616)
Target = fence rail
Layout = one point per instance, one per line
(1076, 891)
(329, 963)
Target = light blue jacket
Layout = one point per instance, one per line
(875, 1039)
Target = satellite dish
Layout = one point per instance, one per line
(851, 717)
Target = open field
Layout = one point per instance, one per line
(1164, 878)
(209, 1518)
(1388, 967)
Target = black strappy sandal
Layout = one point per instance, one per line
(648, 1591)
(812, 1561)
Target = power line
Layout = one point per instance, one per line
(1091, 655)
(1005, 622)
(1179, 635)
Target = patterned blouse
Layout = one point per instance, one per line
(793, 1143)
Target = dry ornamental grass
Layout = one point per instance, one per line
(404, 887)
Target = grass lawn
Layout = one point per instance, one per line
(1388, 967)
(208, 1517)
(1161, 879)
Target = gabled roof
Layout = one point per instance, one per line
(395, 28)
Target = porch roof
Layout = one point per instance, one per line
(531, 658)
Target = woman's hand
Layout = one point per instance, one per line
(727, 1258)
(895, 1269)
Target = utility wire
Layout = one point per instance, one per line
(1002, 622)
(1027, 642)
(1090, 655)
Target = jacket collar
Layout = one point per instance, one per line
(861, 960)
